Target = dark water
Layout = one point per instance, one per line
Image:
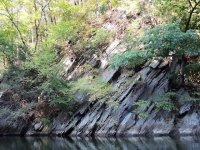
(56, 143)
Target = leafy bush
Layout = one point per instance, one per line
(100, 38)
(133, 57)
(104, 5)
(164, 102)
(57, 92)
(45, 121)
(12, 78)
(13, 115)
(4, 86)
(168, 39)
(51, 85)
(44, 62)
(141, 113)
(65, 31)
(192, 72)
(94, 87)
(141, 103)
(7, 45)
(161, 41)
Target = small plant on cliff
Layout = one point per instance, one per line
(94, 87)
(139, 111)
(45, 120)
(130, 57)
(164, 101)
(12, 115)
(192, 72)
(98, 41)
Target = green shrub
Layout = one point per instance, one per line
(13, 115)
(168, 39)
(58, 92)
(45, 121)
(4, 86)
(129, 57)
(141, 104)
(192, 72)
(44, 62)
(5, 112)
(94, 87)
(141, 114)
(65, 30)
(100, 38)
(164, 102)
(7, 45)
(51, 85)
(161, 41)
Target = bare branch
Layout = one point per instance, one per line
(190, 4)
(38, 21)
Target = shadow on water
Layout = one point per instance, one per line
(133, 143)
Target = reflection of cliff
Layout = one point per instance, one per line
(44, 143)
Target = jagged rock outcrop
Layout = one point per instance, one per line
(100, 119)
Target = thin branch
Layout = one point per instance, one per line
(190, 15)
(190, 3)
(38, 22)
(196, 2)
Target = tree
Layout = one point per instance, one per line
(163, 41)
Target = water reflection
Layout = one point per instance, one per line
(136, 143)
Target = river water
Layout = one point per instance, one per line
(136, 143)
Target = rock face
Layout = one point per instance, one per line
(121, 117)
(38, 126)
(102, 119)
(105, 120)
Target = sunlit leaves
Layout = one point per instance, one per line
(168, 39)
(7, 44)
(162, 41)
(134, 57)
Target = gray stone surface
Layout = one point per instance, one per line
(38, 126)
(154, 64)
(108, 74)
(189, 123)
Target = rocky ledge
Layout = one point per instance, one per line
(99, 118)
